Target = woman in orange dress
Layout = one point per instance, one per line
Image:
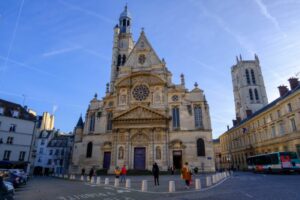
(186, 175)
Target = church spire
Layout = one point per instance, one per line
(125, 21)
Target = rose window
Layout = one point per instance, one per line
(140, 92)
(174, 98)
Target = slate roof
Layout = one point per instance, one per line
(270, 105)
(10, 106)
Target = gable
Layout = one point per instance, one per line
(142, 54)
(140, 113)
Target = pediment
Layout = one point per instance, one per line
(142, 49)
(150, 79)
(140, 113)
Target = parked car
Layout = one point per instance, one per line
(19, 172)
(10, 187)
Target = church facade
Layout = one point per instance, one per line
(144, 117)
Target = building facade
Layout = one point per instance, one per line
(53, 152)
(248, 87)
(17, 127)
(218, 155)
(275, 127)
(144, 117)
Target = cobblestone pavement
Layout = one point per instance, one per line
(241, 185)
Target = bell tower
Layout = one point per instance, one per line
(122, 45)
(248, 87)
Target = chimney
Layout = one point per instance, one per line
(248, 113)
(283, 90)
(293, 82)
(234, 122)
(227, 127)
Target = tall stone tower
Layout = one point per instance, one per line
(248, 87)
(122, 45)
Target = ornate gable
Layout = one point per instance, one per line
(140, 113)
(142, 55)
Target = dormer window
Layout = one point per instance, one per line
(15, 113)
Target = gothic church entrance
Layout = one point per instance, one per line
(177, 159)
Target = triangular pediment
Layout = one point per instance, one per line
(142, 54)
(140, 113)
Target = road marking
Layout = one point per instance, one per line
(122, 191)
(248, 195)
(106, 195)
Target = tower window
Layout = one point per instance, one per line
(198, 116)
(128, 23)
(176, 117)
(256, 94)
(253, 76)
(123, 59)
(109, 121)
(119, 60)
(92, 122)
(124, 22)
(200, 147)
(251, 94)
(89, 150)
(247, 77)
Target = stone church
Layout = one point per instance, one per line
(144, 117)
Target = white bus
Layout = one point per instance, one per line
(274, 162)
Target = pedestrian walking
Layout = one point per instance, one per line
(186, 175)
(117, 172)
(92, 173)
(172, 170)
(82, 172)
(155, 172)
(123, 173)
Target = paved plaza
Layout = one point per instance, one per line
(242, 185)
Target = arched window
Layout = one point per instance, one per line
(250, 94)
(123, 59)
(253, 76)
(109, 121)
(128, 23)
(124, 22)
(200, 147)
(92, 122)
(121, 153)
(175, 117)
(89, 150)
(158, 153)
(247, 77)
(119, 60)
(256, 94)
(198, 116)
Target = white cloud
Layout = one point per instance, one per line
(240, 39)
(265, 12)
(88, 12)
(60, 51)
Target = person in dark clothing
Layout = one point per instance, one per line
(3, 190)
(83, 172)
(155, 172)
(92, 173)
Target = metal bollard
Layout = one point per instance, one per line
(70, 177)
(106, 181)
(128, 183)
(208, 181)
(98, 180)
(117, 182)
(197, 184)
(88, 179)
(171, 186)
(81, 178)
(144, 185)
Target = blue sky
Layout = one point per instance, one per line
(58, 53)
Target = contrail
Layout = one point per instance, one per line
(13, 38)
